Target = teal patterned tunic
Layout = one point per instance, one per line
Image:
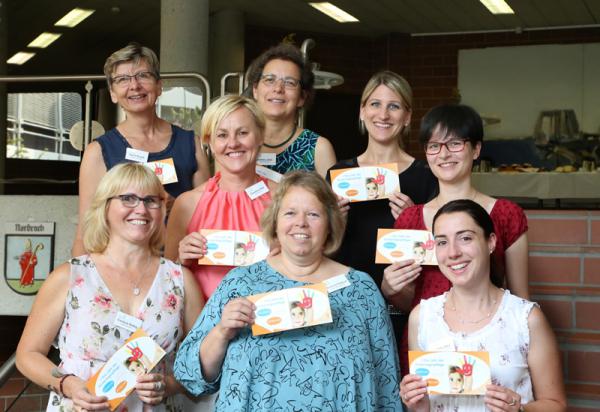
(300, 155)
(348, 365)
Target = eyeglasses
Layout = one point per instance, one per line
(270, 80)
(141, 77)
(456, 145)
(131, 200)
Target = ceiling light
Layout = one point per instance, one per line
(20, 58)
(497, 6)
(74, 17)
(44, 40)
(334, 12)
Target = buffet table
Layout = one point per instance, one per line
(540, 185)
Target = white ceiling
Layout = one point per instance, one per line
(117, 22)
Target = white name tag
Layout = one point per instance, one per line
(336, 283)
(127, 322)
(256, 190)
(135, 155)
(267, 159)
(268, 173)
(442, 344)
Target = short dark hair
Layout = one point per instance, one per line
(453, 119)
(287, 52)
(481, 217)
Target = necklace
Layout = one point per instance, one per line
(471, 322)
(136, 286)
(275, 146)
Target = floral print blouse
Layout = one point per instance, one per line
(89, 335)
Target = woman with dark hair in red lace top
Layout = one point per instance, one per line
(452, 136)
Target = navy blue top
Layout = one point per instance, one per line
(181, 147)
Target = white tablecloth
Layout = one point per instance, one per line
(544, 185)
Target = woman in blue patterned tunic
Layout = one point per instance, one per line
(349, 364)
(282, 83)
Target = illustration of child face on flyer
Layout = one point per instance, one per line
(138, 362)
(394, 245)
(233, 247)
(117, 378)
(452, 373)
(291, 309)
(366, 183)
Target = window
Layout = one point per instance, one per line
(39, 125)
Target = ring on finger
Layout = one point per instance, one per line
(157, 385)
(513, 403)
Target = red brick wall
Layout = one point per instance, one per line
(564, 274)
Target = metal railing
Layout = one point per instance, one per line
(88, 78)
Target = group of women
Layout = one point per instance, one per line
(118, 280)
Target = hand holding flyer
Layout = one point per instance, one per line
(233, 247)
(394, 245)
(117, 378)
(291, 309)
(366, 183)
(452, 373)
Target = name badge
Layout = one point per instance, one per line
(267, 159)
(128, 322)
(336, 283)
(442, 344)
(256, 190)
(135, 155)
(268, 173)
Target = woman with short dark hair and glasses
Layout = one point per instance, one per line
(92, 304)
(452, 136)
(134, 83)
(282, 84)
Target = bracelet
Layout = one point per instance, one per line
(61, 382)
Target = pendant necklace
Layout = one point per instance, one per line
(136, 286)
(275, 146)
(471, 322)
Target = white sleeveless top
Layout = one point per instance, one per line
(506, 338)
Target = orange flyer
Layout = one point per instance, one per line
(366, 183)
(394, 245)
(164, 169)
(291, 308)
(452, 372)
(233, 247)
(116, 379)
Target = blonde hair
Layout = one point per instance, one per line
(96, 232)
(132, 53)
(223, 107)
(395, 83)
(315, 184)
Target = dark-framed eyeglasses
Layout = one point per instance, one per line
(131, 200)
(455, 145)
(270, 80)
(141, 77)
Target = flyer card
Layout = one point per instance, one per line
(164, 169)
(291, 309)
(116, 379)
(452, 373)
(366, 183)
(394, 245)
(233, 247)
